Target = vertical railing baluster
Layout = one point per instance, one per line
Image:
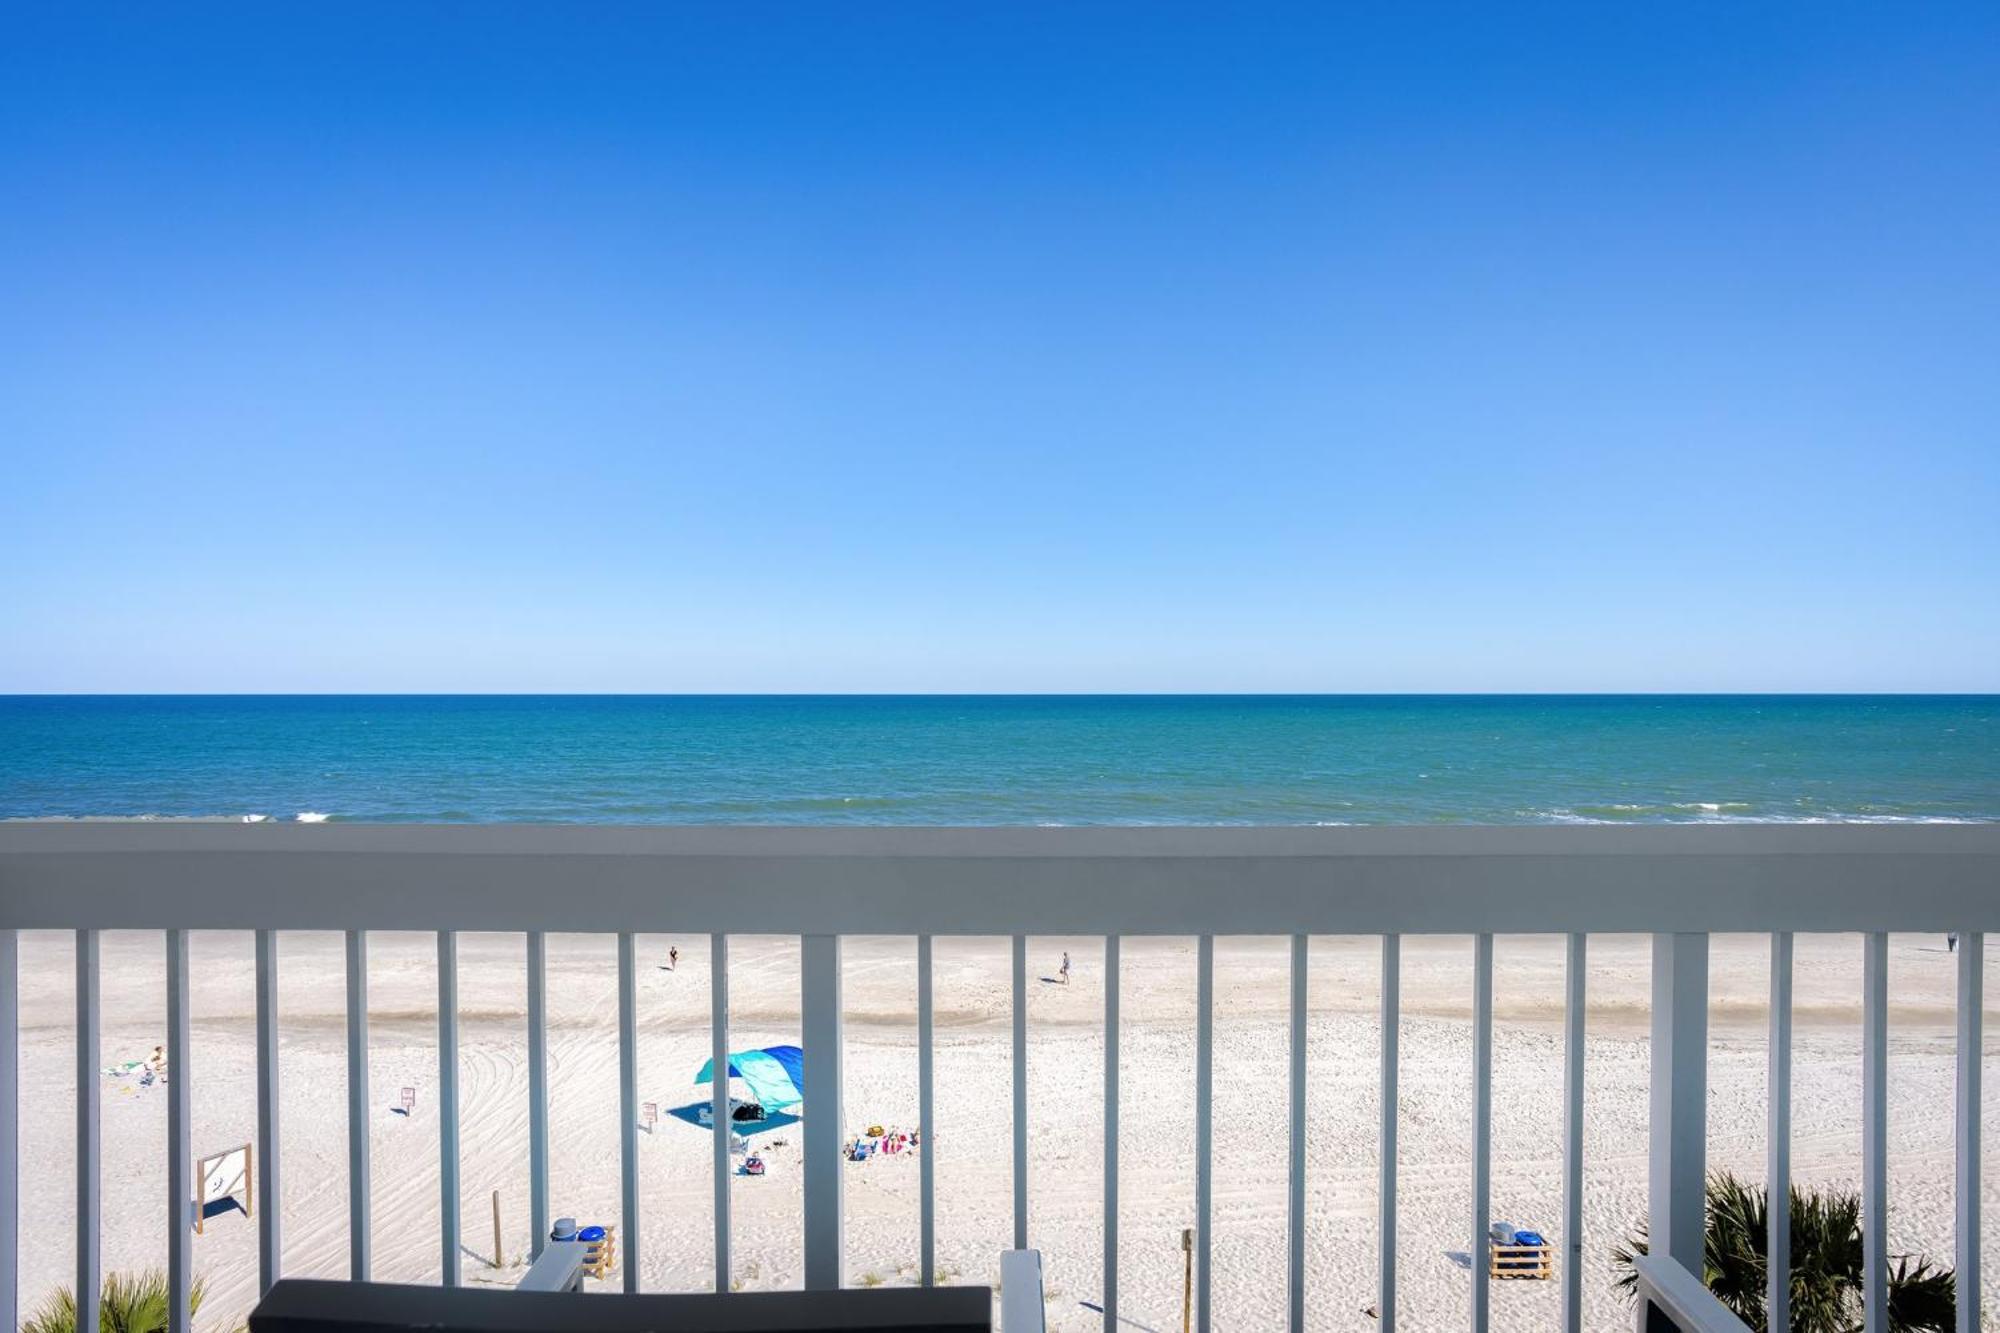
(718, 1097)
(10, 1127)
(926, 1177)
(180, 1183)
(270, 1214)
(1111, 1022)
(820, 1010)
(1204, 1129)
(89, 1173)
(1778, 1140)
(1971, 1049)
(1482, 1124)
(1677, 1127)
(448, 1191)
(1392, 1025)
(1573, 1028)
(1295, 1194)
(538, 1092)
(358, 1238)
(1020, 1071)
(628, 1104)
(1874, 1132)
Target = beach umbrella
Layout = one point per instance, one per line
(775, 1075)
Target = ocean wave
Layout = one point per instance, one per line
(1710, 813)
(134, 819)
(302, 817)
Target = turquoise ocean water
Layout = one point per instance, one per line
(1005, 760)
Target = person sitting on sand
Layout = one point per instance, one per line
(157, 1061)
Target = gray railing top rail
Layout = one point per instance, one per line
(1683, 1298)
(996, 881)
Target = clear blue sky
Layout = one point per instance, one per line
(943, 347)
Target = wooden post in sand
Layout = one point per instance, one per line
(1187, 1280)
(499, 1260)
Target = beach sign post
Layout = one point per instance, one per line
(409, 1101)
(650, 1113)
(223, 1175)
(1187, 1280)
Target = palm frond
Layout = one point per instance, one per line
(1826, 1269)
(135, 1303)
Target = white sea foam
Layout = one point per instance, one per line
(310, 817)
(1711, 815)
(255, 819)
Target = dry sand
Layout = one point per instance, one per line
(1065, 1071)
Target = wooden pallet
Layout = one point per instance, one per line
(601, 1256)
(1535, 1263)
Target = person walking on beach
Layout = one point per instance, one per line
(673, 957)
(1064, 970)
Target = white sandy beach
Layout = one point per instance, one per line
(973, 1156)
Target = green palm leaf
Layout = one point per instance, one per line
(126, 1304)
(1827, 1263)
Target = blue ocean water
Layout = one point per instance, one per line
(1005, 760)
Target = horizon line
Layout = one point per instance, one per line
(1001, 694)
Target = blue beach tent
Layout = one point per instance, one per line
(775, 1075)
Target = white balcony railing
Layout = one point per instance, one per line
(1678, 884)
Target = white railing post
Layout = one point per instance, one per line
(1677, 1166)
(89, 1097)
(1392, 1025)
(819, 982)
(1204, 1130)
(1965, 1245)
(1023, 1306)
(269, 1210)
(718, 1097)
(1875, 1132)
(1295, 1191)
(628, 1104)
(538, 1093)
(1112, 950)
(448, 1191)
(10, 1127)
(1020, 1073)
(1482, 1126)
(1778, 1134)
(926, 1117)
(1575, 1013)
(180, 1184)
(358, 1240)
